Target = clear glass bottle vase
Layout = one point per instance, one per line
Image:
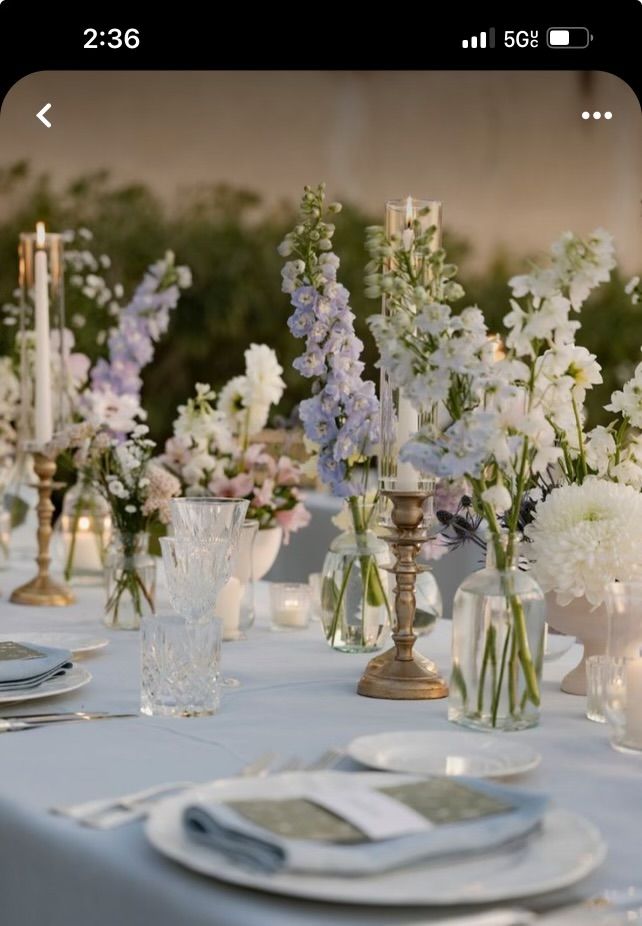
(130, 581)
(355, 598)
(499, 614)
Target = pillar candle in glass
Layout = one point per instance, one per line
(44, 399)
(290, 605)
(405, 220)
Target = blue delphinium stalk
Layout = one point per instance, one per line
(342, 416)
(141, 324)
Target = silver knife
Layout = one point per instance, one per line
(63, 717)
(11, 726)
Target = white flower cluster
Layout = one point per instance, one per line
(245, 400)
(207, 435)
(608, 457)
(202, 440)
(628, 400)
(496, 421)
(586, 536)
(136, 487)
(106, 408)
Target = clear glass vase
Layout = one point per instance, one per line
(355, 598)
(130, 580)
(498, 644)
(85, 528)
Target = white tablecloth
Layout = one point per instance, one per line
(297, 696)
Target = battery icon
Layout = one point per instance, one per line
(568, 37)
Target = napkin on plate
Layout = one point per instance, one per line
(26, 665)
(430, 818)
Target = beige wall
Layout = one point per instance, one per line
(508, 153)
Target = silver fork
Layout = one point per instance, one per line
(105, 813)
(326, 760)
(138, 808)
(108, 813)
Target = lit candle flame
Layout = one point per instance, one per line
(409, 212)
(41, 236)
(84, 523)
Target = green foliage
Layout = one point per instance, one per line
(229, 239)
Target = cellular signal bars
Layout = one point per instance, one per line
(484, 40)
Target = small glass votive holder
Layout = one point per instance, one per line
(5, 536)
(290, 605)
(180, 662)
(623, 704)
(597, 673)
(314, 583)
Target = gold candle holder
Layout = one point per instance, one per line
(400, 673)
(42, 590)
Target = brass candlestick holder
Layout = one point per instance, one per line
(400, 673)
(42, 590)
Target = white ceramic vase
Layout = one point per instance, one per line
(266, 549)
(588, 625)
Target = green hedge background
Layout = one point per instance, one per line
(229, 237)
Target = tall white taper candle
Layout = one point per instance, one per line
(43, 416)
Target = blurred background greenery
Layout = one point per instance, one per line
(229, 239)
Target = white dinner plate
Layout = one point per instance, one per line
(563, 851)
(556, 645)
(76, 643)
(76, 677)
(421, 752)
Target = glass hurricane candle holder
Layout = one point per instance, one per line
(624, 609)
(623, 704)
(85, 527)
(45, 386)
(407, 221)
(235, 603)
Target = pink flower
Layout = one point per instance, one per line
(293, 519)
(255, 455)
(162, 487)
(288, 472)
(78, 368)
(177, 451)
(263, 468)
(237, 487)
(264, 494)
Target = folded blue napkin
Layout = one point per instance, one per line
(460, 817)
(26, 665)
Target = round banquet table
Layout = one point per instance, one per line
(297, 697)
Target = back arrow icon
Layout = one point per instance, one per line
(41, 115)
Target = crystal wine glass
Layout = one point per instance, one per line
(196, 573)
(205, 518)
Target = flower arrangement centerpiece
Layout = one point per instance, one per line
(213, 450)
(341, 424)
(494, 421)
(11, 509)
(138, 491)
(579, 546)
(107, 393)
